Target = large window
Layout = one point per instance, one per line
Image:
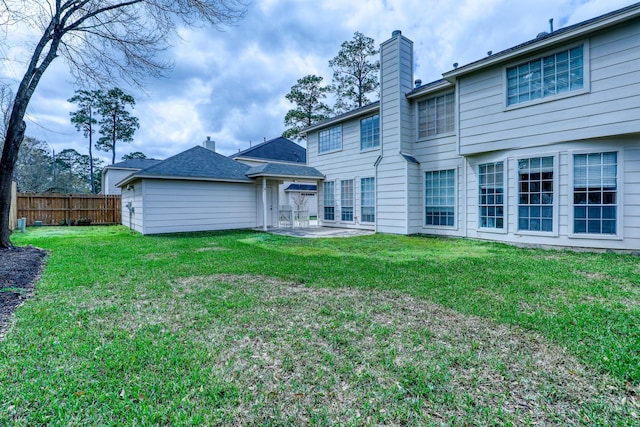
(368, 199)
(551, 75)
(436, 115)
(330, 139)
(535, 196)
(440, 198)
(346, 200)
(595, 193)
(370, 132)
(329, 200)
(491, 192)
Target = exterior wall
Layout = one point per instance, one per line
(111, 177)
(397, 125)
(348, 163)
(610, 105)
(180, 206)
(272, 203)
(133, 207)
(628, 218)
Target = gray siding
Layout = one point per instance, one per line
(111, 177)
(610, 106)
(133, 218)
(179, 206)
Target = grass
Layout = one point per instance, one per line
(244, 328)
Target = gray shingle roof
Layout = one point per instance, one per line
(134, 164)
(196, 163)
(277, 149)
(284, 170)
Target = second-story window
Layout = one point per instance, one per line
(370, 132)
(436, 115)
(547, 76)
(330, 139)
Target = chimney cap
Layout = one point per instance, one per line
(396, 33)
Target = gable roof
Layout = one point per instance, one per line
(197, 163)
(134, 164)
(285, 171)
(545, 40)
(278, 149)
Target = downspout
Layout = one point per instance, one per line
(264, 203)
(375, 180)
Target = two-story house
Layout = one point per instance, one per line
(537, 144)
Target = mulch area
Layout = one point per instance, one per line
(20, 269)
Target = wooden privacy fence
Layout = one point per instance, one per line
(61, 209)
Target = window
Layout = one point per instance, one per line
(440, 198)
(330, 140)
(346, 200)
(329, 200)
(535, 197)
(368, 199)
(491, 191)
(370, 132)
(551, 75)
(595, 193)
(435, 115)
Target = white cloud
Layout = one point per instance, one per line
(230, 85)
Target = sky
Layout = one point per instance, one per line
(230, 85)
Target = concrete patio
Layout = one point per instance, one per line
(314, 232)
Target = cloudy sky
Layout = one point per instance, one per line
(231, 85)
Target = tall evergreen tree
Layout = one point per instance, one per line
(116, 122)
(355, 73)
(307, 94)
(84, 121)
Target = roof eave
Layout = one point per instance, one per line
(429, 89)
(546, 42)
(285, 176)
(355, 113)
(132, 178)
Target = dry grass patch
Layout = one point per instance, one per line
(313, 355)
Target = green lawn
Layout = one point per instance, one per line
(245, 328)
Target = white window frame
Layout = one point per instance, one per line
(505, 195)
(619, 195)
(351, 200)
(329, 131)
(362, 199)
(586, 75)
(556, 195)
(324, 200)
(371, 135)
(437, 134)
(455, 199)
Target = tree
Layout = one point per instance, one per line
(116, 124)
(134, 155)
(33, 172)
(84, 120)
(354, 74)
(99, 40)
(72, 172)
(307, 94)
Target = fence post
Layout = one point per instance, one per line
(13, 208)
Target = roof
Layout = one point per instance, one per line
(284, 170)
(369, 108)
(197, 163)
(134, 164)
(278, 149)
(302, 187)
(545, 40)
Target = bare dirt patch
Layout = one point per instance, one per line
(20, 268)
(381, 357)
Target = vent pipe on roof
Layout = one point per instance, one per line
(209, 144)
(418, 83)
(455, 65)
(551, 25)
